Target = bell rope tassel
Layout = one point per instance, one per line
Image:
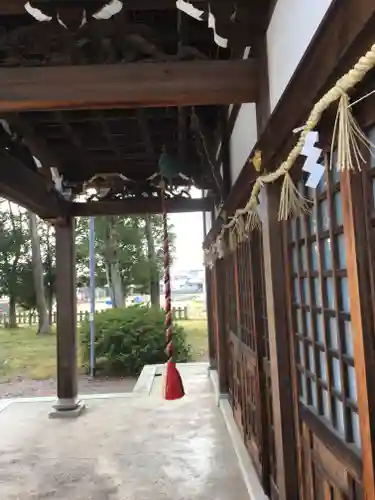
(174, 388)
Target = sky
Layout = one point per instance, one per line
(189, 238)
(188, 228)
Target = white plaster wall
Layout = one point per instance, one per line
(243, 138)
(292, 27)
(208, 220)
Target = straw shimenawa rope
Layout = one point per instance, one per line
(346, 145)
(345, 83)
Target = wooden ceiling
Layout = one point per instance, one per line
(108, 97)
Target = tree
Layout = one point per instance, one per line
(38, 275)
(15, 256)
(121, 252)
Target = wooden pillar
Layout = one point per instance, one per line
(68, 403)
(219, 318)
(355, 215)
(210, 321)
(282, 397)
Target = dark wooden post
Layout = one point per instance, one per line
(221, 344)
(68, 404)
(355, 219)
(210, 320)
(282, 397)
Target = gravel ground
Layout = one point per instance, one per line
(20, 387)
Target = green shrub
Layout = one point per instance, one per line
(127, 339)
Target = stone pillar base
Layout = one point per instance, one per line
(67, 408)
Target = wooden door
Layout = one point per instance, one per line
(249, 373)
(321, 336)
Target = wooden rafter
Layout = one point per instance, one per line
(127, 86)
(109, 137)
(21, 185)
(36, 144)
(145, 132)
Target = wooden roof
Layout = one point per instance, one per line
(107, 98)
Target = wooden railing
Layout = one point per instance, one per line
(28, 318)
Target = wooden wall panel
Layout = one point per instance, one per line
(321, 331)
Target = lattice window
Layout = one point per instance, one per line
(254, 343)
(321, 311)
(247, 331)
(230, 293)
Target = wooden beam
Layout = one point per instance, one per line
(140, 206)
(329, 56)
(21, 185)
(128, 86)
(282, 397)
(18, 6)
(36, 144)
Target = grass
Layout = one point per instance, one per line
(196, 330)
(31, 356)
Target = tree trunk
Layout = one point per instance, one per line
(113, 266)
(12, 312)
(50, 287)
(50, 306)
(44, 324)
(154, 278)
(117, 290)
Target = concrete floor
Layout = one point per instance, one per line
(135, 447)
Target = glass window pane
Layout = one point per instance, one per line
(296, 296)
(326, 404)
(339, 412)
(303, 257)
(303, 387)
(330, 297)
(319, 327)
(352, 383)
(334, 172)
(299, 321)
(305, 284)
(323, 215)
(348, 348)
(314, 256)
(337, 207)
(336, 375)
(332, 333)
(301, 355)
(371, 136)
(344, 295)
(312, 221)
(323, 368)
(314, 394)
(308, 324)
(355, 429)
(311, 360)
(341, 251)
(295, 260)
(316, 292)
(327, 254)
